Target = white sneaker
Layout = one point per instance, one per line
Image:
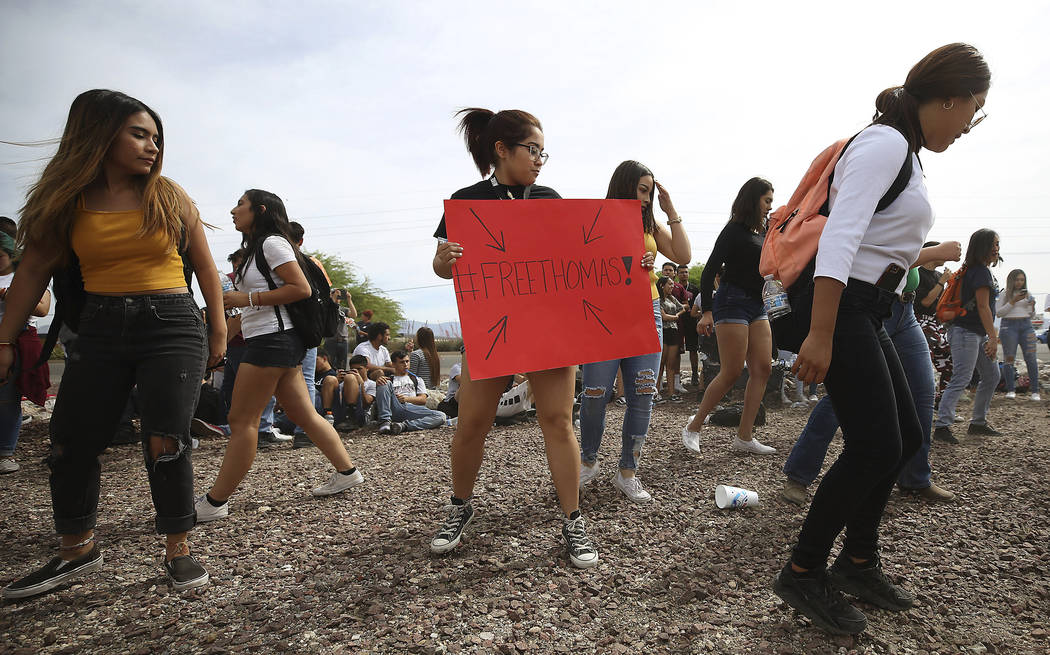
(339, 483)
(631, 488)
(8, 465)
(588, 473)
(958, 419)
(753, 446)
(452, 422)
(1035, 396)
(1011, 394)
(679, 388)
(280, 436)
(813, 398)
(208, 512)
(690, 439)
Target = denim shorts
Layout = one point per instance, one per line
(733, 305)
(278, 349)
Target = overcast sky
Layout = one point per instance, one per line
(345, 109)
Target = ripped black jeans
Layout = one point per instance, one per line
(155, 342)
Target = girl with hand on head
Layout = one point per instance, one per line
(509, 144)
(273, 352)
(631, 181)
(737, 313)
(102, 204)
(1016, 307)
(862, 258)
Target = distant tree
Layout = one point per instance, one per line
(362, 291)
(695, 272)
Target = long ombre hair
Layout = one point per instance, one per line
(426, 343)
(95, 119)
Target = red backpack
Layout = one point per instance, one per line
(950, 305)
(793, 232)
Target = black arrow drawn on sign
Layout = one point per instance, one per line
(587, 234)
(588, 307)
(502, 325)
(499, 242)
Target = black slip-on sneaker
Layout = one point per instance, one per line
(53, 574)
(185, 572)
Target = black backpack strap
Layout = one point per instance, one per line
(264, 268)
(899, 183)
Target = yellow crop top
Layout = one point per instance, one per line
(114, 259)
(650, 246)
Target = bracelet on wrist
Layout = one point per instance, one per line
(251, 305)
(674, 221)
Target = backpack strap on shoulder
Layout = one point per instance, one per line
(264, 269)
(899, 183)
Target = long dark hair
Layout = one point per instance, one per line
(482, 128)
(660, 284)
(982, 243)
(745, 207)
(951, 71)
(271, 218)
(623, 185)
(426, 343)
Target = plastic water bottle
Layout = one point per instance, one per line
(775, 298)
(227, 285)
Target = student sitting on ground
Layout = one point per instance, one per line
(401, 403)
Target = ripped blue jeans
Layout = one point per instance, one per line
(639, 386)
(155, 342)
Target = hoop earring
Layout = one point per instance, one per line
(948, 105)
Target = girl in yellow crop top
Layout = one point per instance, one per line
(102, 198)
(630, 181)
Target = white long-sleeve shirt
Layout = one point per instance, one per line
(856, 241)
(1021, 309)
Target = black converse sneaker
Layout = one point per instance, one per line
(185, 572)
(813, 596)
(868, 583)
(459, 517)
(582, 552)
(53, 574)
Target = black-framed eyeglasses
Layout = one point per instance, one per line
(976, 121)
(535, 152)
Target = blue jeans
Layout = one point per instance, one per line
(1019, 332)
(807, 456)
(415, 417)
(10, 417)
(967, 355)
(309, 371)
(639, 385)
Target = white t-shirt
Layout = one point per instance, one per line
(369, 388)
(263, 320)
(404, 386)
(453, 382)
(376, 356)
(857, 242)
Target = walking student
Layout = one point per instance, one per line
(737, 314)
(273, 352)
(102, 198)
(974, 340)
(631, 180)
(861, 262)
(509, 145)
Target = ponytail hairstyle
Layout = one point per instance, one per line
(481, 130)
(623, 185)
(426, 343)
(95, 119)
(982, 243)
(745, 207)
(271, 218)
(951, 71)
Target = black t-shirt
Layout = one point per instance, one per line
(975, 278)
(740, 250)
(927, 281)
(485, 190)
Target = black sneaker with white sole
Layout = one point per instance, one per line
(185, 572)
(868, 583)
(53, 574)
(582, 552)
(813, 596)
(459, 517)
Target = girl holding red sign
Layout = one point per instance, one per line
(509, 144)
(631, 180)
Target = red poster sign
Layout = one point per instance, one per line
(550, 283)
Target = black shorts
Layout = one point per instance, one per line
(671, 337)
(692, 339)
(277, 349)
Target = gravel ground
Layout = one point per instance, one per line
(352, 573)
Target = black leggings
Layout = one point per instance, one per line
(880, 429)
(158, 344)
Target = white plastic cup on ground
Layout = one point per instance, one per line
(727, 497)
